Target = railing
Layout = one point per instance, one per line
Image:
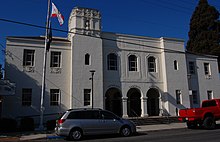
(165, 114)
(136, 116)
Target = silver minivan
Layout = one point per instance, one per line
(75, 123)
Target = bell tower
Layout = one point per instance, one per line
(85, 21)
(86, 56)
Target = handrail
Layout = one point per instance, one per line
(136, 118)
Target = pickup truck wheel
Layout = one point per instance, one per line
(209, 123)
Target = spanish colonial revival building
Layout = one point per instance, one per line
(134, 76)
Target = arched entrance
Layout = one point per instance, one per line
(153, 102)
(113, 101)
(134, 103)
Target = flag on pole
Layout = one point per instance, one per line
(56, 13)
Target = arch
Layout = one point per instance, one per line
(113, 101)
(134, 103)
(153, 102)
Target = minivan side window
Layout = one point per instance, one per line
(108, 115)
(90, 114)
(84, 115)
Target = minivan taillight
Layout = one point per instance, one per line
(60, 121)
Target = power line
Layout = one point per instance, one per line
(64, 31)
(165, 6)
(176, 5)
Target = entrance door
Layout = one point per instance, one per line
(153, 102)
(113, 101)
(134, 103)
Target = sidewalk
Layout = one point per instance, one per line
(49, 135)
(159, 127)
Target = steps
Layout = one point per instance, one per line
(154, 120)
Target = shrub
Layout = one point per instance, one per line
(8, 125)
(27, 124)
(51, 124)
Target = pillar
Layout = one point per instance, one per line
(124, 104)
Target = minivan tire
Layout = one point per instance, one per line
(125, 131)
(75, 134)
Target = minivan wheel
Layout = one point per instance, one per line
(125, 131)
(75, 134)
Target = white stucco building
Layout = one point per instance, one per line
(134, 75)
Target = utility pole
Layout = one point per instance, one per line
(41, 126)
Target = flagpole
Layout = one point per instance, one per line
(41, 126)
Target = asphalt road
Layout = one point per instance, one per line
(178, 135)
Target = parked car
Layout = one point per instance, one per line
(205, 116)
(76, 123)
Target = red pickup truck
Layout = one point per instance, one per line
(205, 116)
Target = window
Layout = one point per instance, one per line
(28, 57)
(55, 59)
(191, 68)
(54, 97)
(195, 97)
(207, 68)
(108, 115)
(112, 61)
(151, 64)
(132, 63)
(178, 97)
(211, 103)
(210, 94)
(26, 96)
(87, 24)
(87, 59)
(175, 63)
(87, 114)
(87, 97)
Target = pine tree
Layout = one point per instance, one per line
(204, 30)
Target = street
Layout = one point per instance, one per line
(174, 135)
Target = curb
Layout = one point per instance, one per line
(31, 137)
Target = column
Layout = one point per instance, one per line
(144, 107)
(160, 106)
(124, 104)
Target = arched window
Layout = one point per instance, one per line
(132, 59)
(87, 59)
(175, 64)
(112, 61)
(151, 64)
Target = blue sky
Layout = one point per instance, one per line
(153, 18)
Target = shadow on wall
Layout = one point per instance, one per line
(173, 106)
(12, 105)
(167, 97)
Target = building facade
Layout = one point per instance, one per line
(134, 76)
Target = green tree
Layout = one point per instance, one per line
(204, 30)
